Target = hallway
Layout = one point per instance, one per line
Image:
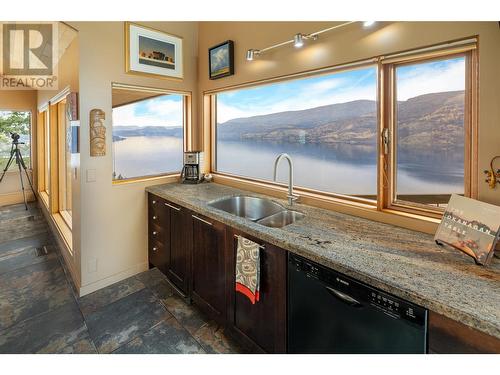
(41, 313)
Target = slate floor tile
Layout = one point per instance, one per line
(188, 315)
(16, 245)
(167, 337)
(92, 302)
(22, 227)
(213, 340)
(32, 290)
(61, 330)
(25, 258)
(151, 277)
(18, 210)
(121, 321)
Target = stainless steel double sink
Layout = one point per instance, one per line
(260, 210)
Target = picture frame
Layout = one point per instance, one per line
(153, 52)
(221, 60)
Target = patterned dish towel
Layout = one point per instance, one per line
(248, 269)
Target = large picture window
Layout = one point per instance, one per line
(398, 135)
(148, 133)
(326, 123)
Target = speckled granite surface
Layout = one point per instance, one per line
(405, 263)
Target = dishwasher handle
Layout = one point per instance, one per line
(344, 297)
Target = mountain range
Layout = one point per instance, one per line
(122, 132)
(430, 120)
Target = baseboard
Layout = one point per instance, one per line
(96, 285)
(16, 197)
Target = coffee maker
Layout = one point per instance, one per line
(191, 172)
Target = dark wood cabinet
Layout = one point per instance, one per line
(261, 327)
(208, 268)
(170, 240)
(198, 255)
(447, 336)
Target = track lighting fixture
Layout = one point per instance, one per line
(298, 39)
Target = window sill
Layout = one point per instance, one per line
(169, 177)
(64, 230)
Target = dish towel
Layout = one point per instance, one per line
(248, 269)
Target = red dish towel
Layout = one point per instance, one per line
(248, 269)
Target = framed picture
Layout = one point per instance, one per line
(152, 52)
(221, 60)
(470, 226)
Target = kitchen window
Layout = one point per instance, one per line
(430, 132)
(394, 133)
(327, 123)
(148, 132)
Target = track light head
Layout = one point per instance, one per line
(251, 53)
(298, 40)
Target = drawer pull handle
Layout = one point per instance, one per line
(155, 233)
(173, 207)
(154, 217)
(200, 219)
(154, 202)
(155, 248)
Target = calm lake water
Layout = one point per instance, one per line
(344, 169)
(142, 156)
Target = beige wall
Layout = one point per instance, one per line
(356, 43)
(22, 100)
(112, 232)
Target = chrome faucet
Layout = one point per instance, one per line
(291, 197)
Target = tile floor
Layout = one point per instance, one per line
(40, 312)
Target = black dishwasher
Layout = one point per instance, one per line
(332, 313)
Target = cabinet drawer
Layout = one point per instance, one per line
(156, 233)
(157, 255)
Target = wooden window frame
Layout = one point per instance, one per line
(388, 162)
(49, 143)
(383, 203)
(186, 127)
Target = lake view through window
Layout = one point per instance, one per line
(327, 124)
(147, 134)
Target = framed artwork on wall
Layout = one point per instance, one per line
(221, 60)
(152, 52)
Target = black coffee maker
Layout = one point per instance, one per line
(191, 172)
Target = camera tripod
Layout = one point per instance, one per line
(15, 152)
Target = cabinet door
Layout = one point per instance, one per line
(208, 274)
(179, 247)
(261, 326)
(447, 336)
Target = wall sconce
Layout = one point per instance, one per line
(492, 177)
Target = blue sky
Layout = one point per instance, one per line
(413, 80)
(165, 110)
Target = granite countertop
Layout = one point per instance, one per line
(399, 261)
